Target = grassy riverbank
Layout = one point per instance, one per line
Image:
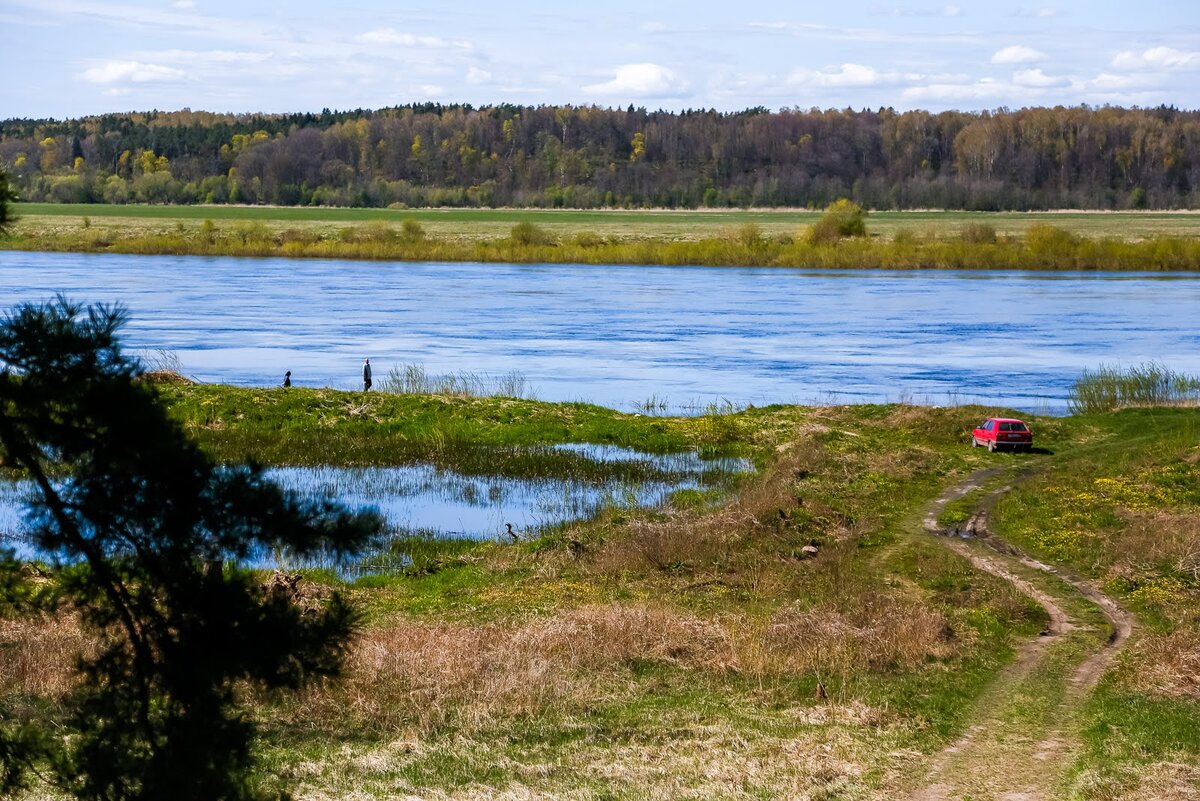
(677, 652)
(899, 240)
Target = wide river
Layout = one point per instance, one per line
(619, 335)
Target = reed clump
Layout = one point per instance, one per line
(413, 379)
(1149, 384)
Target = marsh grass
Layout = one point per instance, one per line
(1150, 384)
(413, 379)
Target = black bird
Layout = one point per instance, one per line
(511, 533)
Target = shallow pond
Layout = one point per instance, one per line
(430, 502)
(620, 335)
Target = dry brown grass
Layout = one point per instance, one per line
(1166, 664)
(725, 537)
(1152, 538)
(428, 674)
(1165, 781)
(38, 655)
(881, 633)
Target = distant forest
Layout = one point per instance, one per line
(588, 157)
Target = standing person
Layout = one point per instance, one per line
(366, 374)
(287, 378)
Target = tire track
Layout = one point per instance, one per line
(996, 758)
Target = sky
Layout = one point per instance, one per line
(72, 58)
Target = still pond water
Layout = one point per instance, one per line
(619, 335)
(422, 500)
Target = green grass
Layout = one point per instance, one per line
(301, 426)
(898, 240)
(546, 670)
(1118, 504)
(654, 224)
(1127, 735)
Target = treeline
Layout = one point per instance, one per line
(589, 157)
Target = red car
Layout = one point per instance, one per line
(1002, 432)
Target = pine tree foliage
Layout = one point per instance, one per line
(148, 539)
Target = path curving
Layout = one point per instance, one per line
(1024, 731)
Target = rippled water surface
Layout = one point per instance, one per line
(617, 335)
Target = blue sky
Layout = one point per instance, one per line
(68, 58)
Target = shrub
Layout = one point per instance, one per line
(208, 231)
(248, 232)
(749, 236)
(525, 234)
(1050, 246)
(842, 218)
(978, 234)
(412, 231)
(377, 231)
(299, 235)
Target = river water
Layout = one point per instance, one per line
(620, 335)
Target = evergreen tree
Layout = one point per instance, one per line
(7, 197)
(149, 538)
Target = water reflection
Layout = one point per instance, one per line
(424, 500)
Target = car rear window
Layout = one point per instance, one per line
(1012, 426)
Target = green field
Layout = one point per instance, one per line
(670, 225)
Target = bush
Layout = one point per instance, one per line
(843, 218)
(1050, 246)
(247, 232)
(412, 231)
(525, 234)
(978, 234)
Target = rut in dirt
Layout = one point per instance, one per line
(1023, 737)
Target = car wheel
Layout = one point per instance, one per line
(991, 446)
(974, 442)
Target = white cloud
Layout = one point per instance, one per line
(195, 57)
(1017, 54)
(844, 75)
(1039, 13)
(117, 91)
(184, 4)
(1160, 58)
(983, 89)
(477, 76)
(1037, 78)
(430, 90)
(641, 80)
(391, 36)
(949, 10)
(1106, 81)
(135, 71)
